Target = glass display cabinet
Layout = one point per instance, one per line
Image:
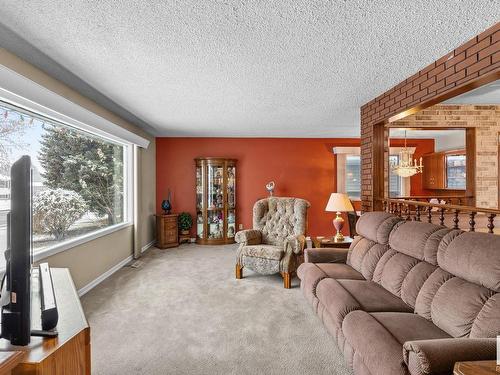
(215, 200)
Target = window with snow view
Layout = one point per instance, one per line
(79, 179)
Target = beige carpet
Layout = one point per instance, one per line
(183, 312)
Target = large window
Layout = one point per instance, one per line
(353, 176)
(79, 179)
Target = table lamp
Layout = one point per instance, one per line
(339, 202)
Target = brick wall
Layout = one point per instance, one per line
(477, 59)
(486, 120)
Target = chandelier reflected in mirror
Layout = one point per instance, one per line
(405, 165)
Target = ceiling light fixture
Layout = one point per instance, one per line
(405, 166)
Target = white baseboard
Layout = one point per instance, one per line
(104, 276)
(147, 246)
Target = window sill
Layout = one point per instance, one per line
(67, 245)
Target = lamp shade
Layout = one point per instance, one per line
(339, 202)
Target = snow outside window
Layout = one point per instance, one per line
(79, 179)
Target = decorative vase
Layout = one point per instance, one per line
(166, 206)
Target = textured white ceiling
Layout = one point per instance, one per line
(246, 68)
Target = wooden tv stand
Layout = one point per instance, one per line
(69, 353)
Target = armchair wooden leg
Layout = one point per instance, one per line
(239, 271)
(287, 280)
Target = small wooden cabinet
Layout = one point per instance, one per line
(433, 172)
(167, 231)
(444, 170)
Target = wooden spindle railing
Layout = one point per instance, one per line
(456, 220)
(490, 225)
(479, 219)
(441, 216)
(472, 223)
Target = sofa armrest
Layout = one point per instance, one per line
(325, 255)
(439, 356)
(249, 237)
(295, 244)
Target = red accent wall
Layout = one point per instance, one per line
(301, 167)
(304, 168)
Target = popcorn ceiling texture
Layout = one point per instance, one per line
(245, 68)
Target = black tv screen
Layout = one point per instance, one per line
(16, 319)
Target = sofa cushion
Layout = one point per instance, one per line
(364, 254)
(339, 271)
(262, 251)
(456, 305)
(474, 257)
(339, 297)
(413, 282)
(487, 322)
(418, 240)
(407, 326)
(311, 274)
(387, 332)
(429, 290)
(395, 271)
(376, 226)
(372, 297)
(337, 301)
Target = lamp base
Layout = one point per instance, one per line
(338, 223)
(339, 237)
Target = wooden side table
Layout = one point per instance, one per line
(167, 231)
(329, 242)
(476, 368)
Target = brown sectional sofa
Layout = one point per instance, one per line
(412, 297)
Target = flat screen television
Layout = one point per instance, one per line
(16, 295)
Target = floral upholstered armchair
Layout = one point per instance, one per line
(276, 242)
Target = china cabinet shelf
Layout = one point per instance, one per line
(215, 200)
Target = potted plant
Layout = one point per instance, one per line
(185, 223)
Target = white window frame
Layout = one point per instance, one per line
(342, 153)
(22, 94)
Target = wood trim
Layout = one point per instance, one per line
(448, 207)
(470, 165)
(379, 162)
(9, 360)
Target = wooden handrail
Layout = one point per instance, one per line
(403, 208)
(445, 206)
(433, 197)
